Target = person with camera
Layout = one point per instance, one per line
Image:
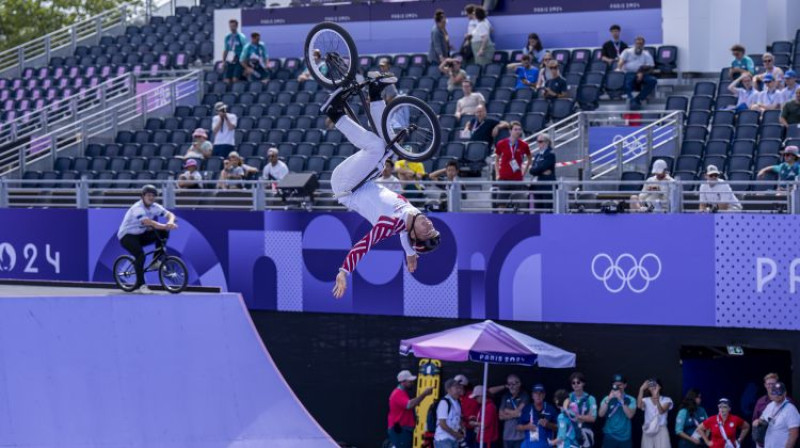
(781, 420)
(449, 433)
(401, 410)
(223, 125)
(618, 408)
(720, 430)
(655, 407)
(538, 420)
(254, 59)
(716, 194)
(655, 191)
(637, 63)
(451, 67)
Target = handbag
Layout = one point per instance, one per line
(760, 431)
(651, 428)
(466, 49)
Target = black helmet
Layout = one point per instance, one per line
(149, 188)
(426, 246)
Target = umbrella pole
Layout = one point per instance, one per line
(483, 402)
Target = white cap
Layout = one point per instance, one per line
(405, 375)
(712, 169)
(659, 167)
(272, 151)
(461, 379)
(477, 392)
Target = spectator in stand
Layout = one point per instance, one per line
(388, 179)
(511, 405)
(512, 161)
(741, 64)
(637, 65)
(586, 405)
(482, 45)
(440, 39)
(613, 48)
(490, 432)
(720, 431)
(448, 417)
(770, 98)
(323, 67)
(469, 410)
(544, 169)
(744, 89)
(470, 101)
(223, 125)
(527, 74)
(201, 148)
(690, 416)
(790, 113)
(234, 44)
(275, 169)
(556, 86)
(783, 420)
(769, 68)
(448, 174)
(190, 178)
(544, 72)
(401, 418)
(409, 174)
(654, 195)
(534, 49)
(788, 171)
(791, 87)
(538, 420)
(655, 407)
(455, 74)
(618, 408)
(482, 128)
(770, 380)
(254, 59)
(716, 194)
(233, 170)
(390, 91)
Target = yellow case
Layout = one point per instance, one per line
(429, 376)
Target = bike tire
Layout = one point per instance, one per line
(308, 52)
(431, 127)
(180, 271)
(116, 272)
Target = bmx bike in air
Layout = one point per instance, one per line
(172, 270)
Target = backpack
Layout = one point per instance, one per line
(431, 421)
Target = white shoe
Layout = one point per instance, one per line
(144, 290)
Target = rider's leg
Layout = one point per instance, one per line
(132, 243)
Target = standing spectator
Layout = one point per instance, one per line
(387, 177)
(470, 409)
(690, 416)
(190, 178)
(482, 45)
(448, 417)
(254, 59)
(720, 431)
(586, 405)
(275, 169)
(569, 435)
(770, 380)
(654, 195)
(613, 48)
(538, 420)
(401, 418)
(716, 194)
(782, 418)
(790, 81)
(790, 114)
(637, 65)
(513, 158)
(223, 125)
(440, 39)
(655, 407)
(556, 86)
(323, 67)
(746, 94)
(618, 408)
(201, 148)
(534, 48)
(455, 74)
(234, 44)
(490, 430)
(770, 98)
(234, 169)
(769, 68)
(466, 44)
(544, 169)
(788, 171)
(741, 64)
(482, 128)
(527, 74)
(470, 101)
(511, 406)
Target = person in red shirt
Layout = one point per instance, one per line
(469, 409)
(490, 424)
(512, 160)
(401, 410)
(723, 428)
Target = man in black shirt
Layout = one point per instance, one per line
(482, 128)
(614, 47)
(556, 86)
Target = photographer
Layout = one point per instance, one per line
(451, 67)
(716, 194)
(254, 59)
(223, 125)
(638, 66)
(655, 407)
(618, 408)
(448, 416)
(655, 192)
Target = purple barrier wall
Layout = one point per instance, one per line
(117, 371)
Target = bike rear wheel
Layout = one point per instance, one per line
(124, 272)
(338, 51)
(173, 274)
(411, 128)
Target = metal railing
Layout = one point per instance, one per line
(109, 120)
(40, 50)
(69, 108)
(563, 132)
(480, 196)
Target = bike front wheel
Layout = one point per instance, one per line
(124, 272)
(411, 128)
(339, 57)
(173, 274)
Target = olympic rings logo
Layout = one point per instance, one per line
(626, 271)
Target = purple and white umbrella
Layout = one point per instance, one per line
(489, 343)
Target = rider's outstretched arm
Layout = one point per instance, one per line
(384, 228)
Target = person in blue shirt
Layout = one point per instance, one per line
(568, 435)
(788, 171)
(534, 48)
(618, 408)
(254, 59)
(234, 44)
(527, 74)
(741, 64)
(538, 420)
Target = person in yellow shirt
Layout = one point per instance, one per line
(409, 174)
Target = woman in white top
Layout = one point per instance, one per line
(482, 45)
(201, 148)
(654, 431)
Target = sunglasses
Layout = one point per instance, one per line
(541, 141)
(512, 384)
(713, 175)
(577, 382)
(767, 60)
